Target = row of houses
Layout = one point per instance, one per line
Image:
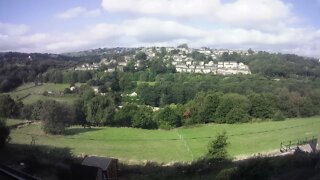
(87, 67)
(223, 68)
(181, 60)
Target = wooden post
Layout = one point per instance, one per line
(290, 145)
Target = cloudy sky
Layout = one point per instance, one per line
(289, 26)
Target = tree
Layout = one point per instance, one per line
(8, 107)
(103, 89)
(79, 112)
(56, 117)
(250, 51)
(144, 118)
(4, 132)
(141, 56)
(184, 45)
(124, 117)
(262, 106)
(230, 101)
(203, 107)
(126, 84)
(278, 116)
(237, 115)
(217, 147)
(168, 118)
(26, 112)
(130, 66)
(100, 110)
(115, 82)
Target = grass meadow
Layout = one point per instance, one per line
(181, 144)
(29, 93)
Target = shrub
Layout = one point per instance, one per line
(237, 115)
(4, 132)
(124, 116)
(55, 116)
(144, 118)
(217, 148)
(67, 91)
(8, 107)
(257, 168)
(168, 118)
(278, 116)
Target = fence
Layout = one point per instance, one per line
(293, 145)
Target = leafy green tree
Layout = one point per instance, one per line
(217, 148)
(203, 107)
(262, 106)
(36, 110)
(8, 107)
(124, 117)
(67, 91)
(168, 117)
(144, 118)
(79, 112)
(184, 45)
(56, 117)
(237, 115)
(84, 76)
(4, 132)
(278, 116)
(250, 51)
(115, 82)
(141, 56)
(231, 101)
(149, 94)
(86, 93)
(26, 112)
(130, 66)
(103, 89)
(100, 110)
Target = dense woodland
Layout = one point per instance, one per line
(281, 86)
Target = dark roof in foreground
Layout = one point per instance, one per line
(95, 161)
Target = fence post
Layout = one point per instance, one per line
(289, 144)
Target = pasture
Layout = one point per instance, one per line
(29, 93)
(181, 144)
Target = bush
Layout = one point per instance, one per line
(257, 168)
(124, 116)
(237, 115)
(217, 148)
(168, 118)
(4, 133)
(278, 116)
(144, 119)
(8, 107)
(55, 116)
(67, 91)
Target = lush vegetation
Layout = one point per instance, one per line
(184, 99)
(4, 132)
(222, 116)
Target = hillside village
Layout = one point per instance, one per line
(181, 58)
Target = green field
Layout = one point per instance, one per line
(36, 93)
(182, 144)
(11, 122)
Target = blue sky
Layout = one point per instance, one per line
(289, 26)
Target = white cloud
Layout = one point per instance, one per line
(152, 31)
(13, 29)
(253, 11)
(178, 8)
(78, 11)
(244, 13)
